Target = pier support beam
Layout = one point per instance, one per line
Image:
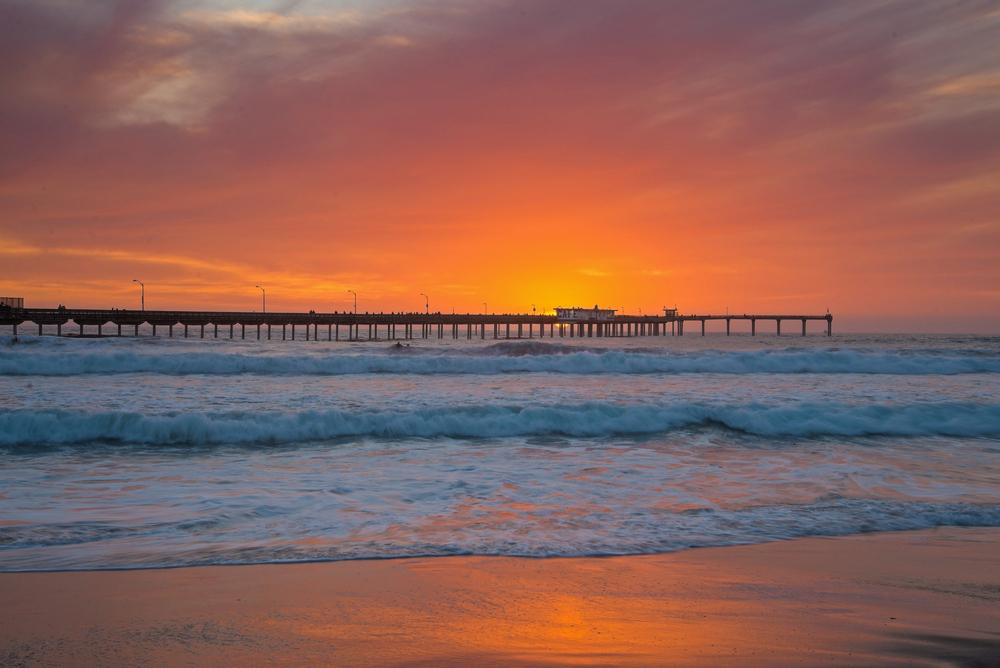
(728, 323)
(829, 325)
(680, 328)
(778, 322)
(243, 331)
(803, 326)
(753, 326)
(703, 327)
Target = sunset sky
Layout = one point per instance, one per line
(760, 156)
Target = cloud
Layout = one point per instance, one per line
(450, 141)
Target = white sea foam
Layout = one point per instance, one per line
(488, 361)
(646, 530)
(24, 427)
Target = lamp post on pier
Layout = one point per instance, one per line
(142, 294)
(427, 303)
(263, 299)
(355, 301)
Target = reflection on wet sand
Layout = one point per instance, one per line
(887, 599)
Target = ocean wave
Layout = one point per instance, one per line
(28, 427)
(490, 360)
(89, 545)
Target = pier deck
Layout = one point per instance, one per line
(373, 326)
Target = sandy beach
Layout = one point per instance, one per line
(913, 598)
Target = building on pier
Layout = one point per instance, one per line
(579, 313)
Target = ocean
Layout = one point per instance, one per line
(155, 452)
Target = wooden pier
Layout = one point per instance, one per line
(370, 326)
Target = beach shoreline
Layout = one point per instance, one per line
(925, 597)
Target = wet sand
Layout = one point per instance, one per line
(916, 598)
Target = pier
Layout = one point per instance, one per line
(314, 326)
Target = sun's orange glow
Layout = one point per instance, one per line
(791, 158)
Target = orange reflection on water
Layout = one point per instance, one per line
(502, 611)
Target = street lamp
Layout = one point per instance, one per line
(142, 294)
(427, 303)
(263, 299)
(355, 301)
(532, 309)
(485, 310)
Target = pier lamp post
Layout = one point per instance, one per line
(427, 303)
(355, 301)
(485, 310)
(263, 298)
(142, 294)
(532, 309)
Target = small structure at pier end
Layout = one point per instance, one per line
(579, 313)
(11, 303)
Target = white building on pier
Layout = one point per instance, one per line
(580, 313)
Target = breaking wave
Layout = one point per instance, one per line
(647, 532)
(496, 359)
(27, 427)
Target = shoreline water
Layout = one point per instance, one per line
(903, 598)
(132, 453)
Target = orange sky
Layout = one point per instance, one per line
(768, 156)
